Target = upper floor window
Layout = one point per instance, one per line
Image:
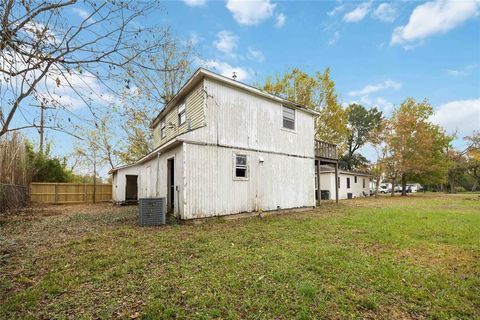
(288, 118)
(181, 114)
(240, 166)
(162, 129)
(348, 183)
(364, 183)
(355, 179)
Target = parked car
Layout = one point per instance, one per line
(384, 189)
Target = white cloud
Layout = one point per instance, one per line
(380, 103)
(226, 69)
(255, 55)
(371, 88)
(194, 39)
(383, 104)
(461, 116)
(250, 12)
(226, 42)
(336, 10)
(358, 13)
(70, 89)
(385, 12)
(334, 39)
(280, 20)
(195, 3)
(82, 13)
(465, 71)
(434, 17)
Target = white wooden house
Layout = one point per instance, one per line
(223, 147)
(350, 184)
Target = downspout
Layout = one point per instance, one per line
(158, 173)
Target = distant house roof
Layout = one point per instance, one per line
(330, 169)
(202, 73)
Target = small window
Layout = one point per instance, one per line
(241, 166)
(162, 129)
(289, 118)
(181, 114)
(364, 182)
(355, 179)
(348, 183)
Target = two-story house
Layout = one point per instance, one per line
(223, 147)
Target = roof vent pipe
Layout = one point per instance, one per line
(234, 76)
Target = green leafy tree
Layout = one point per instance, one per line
(316, 93)
(361, 124)
(418, 147)
(46, 168)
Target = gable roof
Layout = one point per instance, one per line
(202, 73)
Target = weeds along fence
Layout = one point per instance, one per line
(58, 193)
(15, 172)
(12, 196)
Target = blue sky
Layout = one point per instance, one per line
(379, 52)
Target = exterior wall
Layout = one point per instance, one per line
(194, 114)
(327, 182)
(280, 182)
(225, 120)
(119, 182)
(152, 180)
(236, 118)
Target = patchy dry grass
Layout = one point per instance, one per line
(401, 258)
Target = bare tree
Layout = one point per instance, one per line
(147, 91)
(89, 157)
(49, 54)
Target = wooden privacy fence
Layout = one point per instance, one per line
(69, 192)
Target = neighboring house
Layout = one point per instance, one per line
(223, 147)
(350, 184)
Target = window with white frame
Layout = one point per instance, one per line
(288, 118)
(364, 182)
(241, 166)
(162, 129)
(181, 114)
(355, 179)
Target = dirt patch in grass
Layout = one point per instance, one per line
(445, 257)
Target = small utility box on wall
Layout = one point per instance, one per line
(152, 211)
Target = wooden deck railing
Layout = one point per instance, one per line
(325, 150)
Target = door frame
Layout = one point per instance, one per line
(126, 186)
(170, 184)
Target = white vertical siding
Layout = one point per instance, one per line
(280, 182)
(241, 119)
(327, 182)
(155, 183)
(119, 182)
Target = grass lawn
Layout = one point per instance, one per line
(402, 258)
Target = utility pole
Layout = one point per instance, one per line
(41, 126)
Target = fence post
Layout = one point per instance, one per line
(56, 193)
(85, 192)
